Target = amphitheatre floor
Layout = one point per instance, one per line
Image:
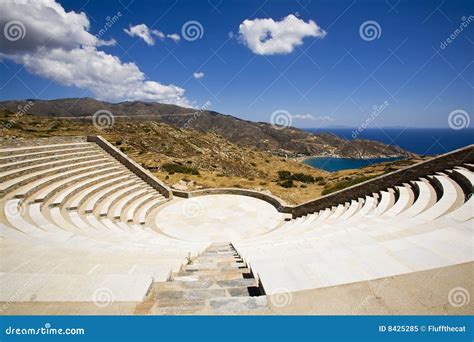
(217, 218)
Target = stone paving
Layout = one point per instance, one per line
(217, 281)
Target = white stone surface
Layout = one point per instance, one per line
(217, 218)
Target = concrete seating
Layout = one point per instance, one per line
(370, 239)
(52, 198)
(75, 221)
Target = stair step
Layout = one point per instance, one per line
(216, 281)
(189, 295)
(195, 276)
(216, 259)
(215, 271)
(237, 282)
(209, 284)
(223, 266)
(228, 305)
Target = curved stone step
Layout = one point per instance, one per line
(17, 151)
(405, 200)
(8, 175)
(14, 183)
(426, 199)
(92, 199)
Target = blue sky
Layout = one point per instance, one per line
(330, 80)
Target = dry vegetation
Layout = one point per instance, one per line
(215, 161)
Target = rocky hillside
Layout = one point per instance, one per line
(188, 159)
(262, 136)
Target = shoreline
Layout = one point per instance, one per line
(303, 159)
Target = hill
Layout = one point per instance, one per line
(189, 159)
(263, 136)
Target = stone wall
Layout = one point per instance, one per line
(137, 169)
(411, 173)
(278, 203)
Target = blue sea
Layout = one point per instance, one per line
(423, 141)
(336, 164)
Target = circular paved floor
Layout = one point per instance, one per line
(217, 218)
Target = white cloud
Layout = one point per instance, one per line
(174, 36)
(310, 117)
(46, 23)
(70, 55)
(270, 37)
(303, 117)
(159, 34)
(142, 31)
(198, 75)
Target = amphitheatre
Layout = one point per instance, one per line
(86, 230)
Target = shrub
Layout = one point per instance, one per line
(345, 184)
(175, 168)
(303, 178)
(284, 175)
(287, 183)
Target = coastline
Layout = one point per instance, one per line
(303, 159)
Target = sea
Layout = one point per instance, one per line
(422, 141)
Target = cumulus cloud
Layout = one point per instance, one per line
(142, 31)
(174, 36)
(270, 37)
(68, 53)
(198, 75)
(45, 23)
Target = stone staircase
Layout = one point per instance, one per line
(217, 281)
